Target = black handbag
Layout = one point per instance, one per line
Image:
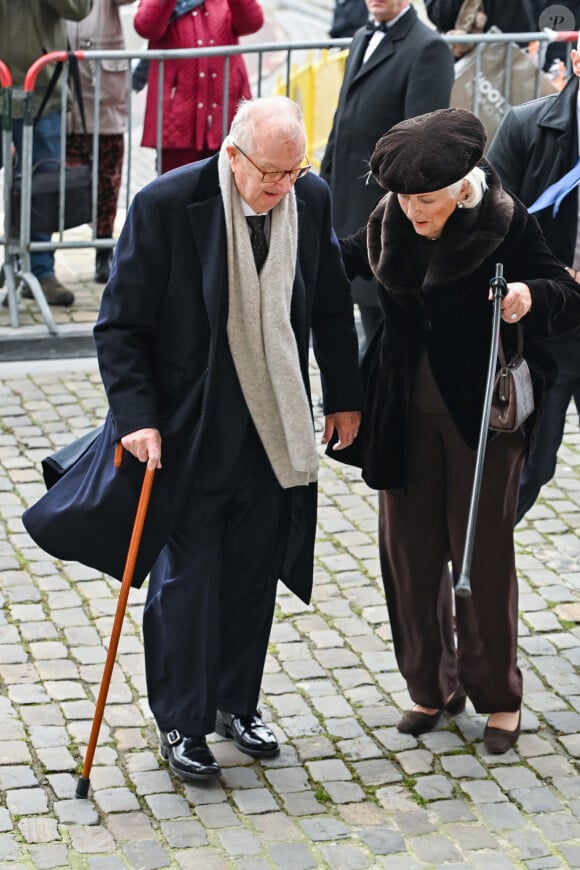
(513, 394)
(45, 181)
(45, 197)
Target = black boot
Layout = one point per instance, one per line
(103, 260)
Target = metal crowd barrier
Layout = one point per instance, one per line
(18, 245)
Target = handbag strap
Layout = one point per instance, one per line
(519, 349)
(76, 80)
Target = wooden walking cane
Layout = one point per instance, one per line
(82, 788)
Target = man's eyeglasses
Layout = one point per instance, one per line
(277, 174)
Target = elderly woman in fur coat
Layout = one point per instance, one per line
(432, 244)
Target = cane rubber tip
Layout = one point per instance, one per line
(82, 789)
(463, 587)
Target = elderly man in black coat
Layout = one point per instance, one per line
(393, 72)
(535, 146)
(223, 269)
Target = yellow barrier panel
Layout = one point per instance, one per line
(315, 86)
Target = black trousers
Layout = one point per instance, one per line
(211, 596)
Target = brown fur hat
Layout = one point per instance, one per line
(428, 152)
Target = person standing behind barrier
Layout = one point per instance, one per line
(510, 16)
(101, 30)
(537, 144)
(193, 90)
(27, 31)
(400, 70)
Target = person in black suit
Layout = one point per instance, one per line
(203, 349)
(391, 74)
(535, 145)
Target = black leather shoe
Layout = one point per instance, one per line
(188, 757)
(250, 733)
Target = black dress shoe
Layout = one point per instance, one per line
(188, 757)
(250, 733)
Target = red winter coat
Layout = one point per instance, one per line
(193, 88)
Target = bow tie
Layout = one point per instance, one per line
(371, 27)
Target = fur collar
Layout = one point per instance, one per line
(469, 237)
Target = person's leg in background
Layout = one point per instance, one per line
(540, 466)
(45, 144)
(111, 152)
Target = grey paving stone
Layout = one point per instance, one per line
(238, 841)
(147, 855)
(463, 767)
(383, 840)
(216, 816)
(184, 833)
(537, 800)
(527, 844)
(38, 829)
(328, 769)
(167, 806)
(288, 780)
(48, 856)
(77, 812)
(557, 827)
(433, 788)
(345, 857)
(26, 801)
(293, 856)
(255, 800)
(435, 849)
(472, 836)
(502, 816)
(90, 839)
(302, 804)
(344, 792)
(452, 811)
(321, 828)
(116, 800)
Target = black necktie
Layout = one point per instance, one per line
(258, 239)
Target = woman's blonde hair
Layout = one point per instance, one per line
(477, 183)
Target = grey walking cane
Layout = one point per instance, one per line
(82, 788)
(499, 287)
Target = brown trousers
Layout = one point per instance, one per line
(420, 531)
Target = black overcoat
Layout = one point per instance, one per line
(409, 73)
(535, 145)
(157, 345)
(447, 313)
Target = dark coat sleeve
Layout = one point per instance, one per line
(129, 318)
(507, 153)
(333, 331)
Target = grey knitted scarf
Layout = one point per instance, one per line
(262, 342)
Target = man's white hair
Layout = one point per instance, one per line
(279, 116)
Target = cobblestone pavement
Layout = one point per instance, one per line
(347, 791)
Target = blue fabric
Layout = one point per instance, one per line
(556, 192)
(182, 7)
(45, 144)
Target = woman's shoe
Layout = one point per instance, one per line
(415, 722)
(498, 740)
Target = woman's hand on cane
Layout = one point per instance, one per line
(516, 303)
